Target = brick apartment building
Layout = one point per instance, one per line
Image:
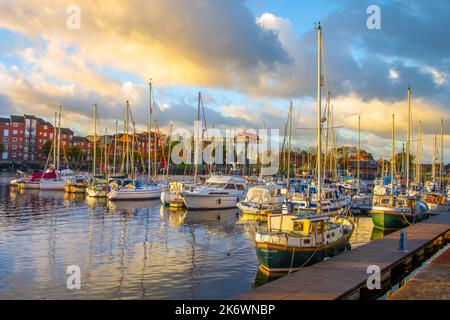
(23, 138)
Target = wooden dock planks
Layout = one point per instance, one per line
(338, 277)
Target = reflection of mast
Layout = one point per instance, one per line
(191, 228)
(144, 245)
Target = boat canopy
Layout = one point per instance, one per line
(263, 194)
(226, 179)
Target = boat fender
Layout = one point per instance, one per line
(219, 201)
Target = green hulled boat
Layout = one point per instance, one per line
(291, 241)
(396, 212)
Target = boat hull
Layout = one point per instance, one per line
(386, 220)
(52, 185)
(29, 185)
(437, 207)
(247, 208)
(280, 259)
(116, 195)
(208, 202)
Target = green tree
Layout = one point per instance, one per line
(74, 154)
(46, 148)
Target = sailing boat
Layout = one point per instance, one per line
(135, 190)
(394, 211)
(57, 183)
(436, 198)
(292, 241)
(98, 187)
(361, 202)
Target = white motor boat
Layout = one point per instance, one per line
(219, 192)
(134, 191)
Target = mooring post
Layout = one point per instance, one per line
(402, 242)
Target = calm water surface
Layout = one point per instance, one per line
(125, 250)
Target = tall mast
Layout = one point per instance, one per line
(197, 128)
(289, 148)
(59, 139)
(393, 154)
(434, 159)
(327, 104)
(115, 150)
(155, 148)
(54, 141)
(359, 151)
(419, 154)
(127, 147)
(441, 167)
(149, 147)
(95, 140)
(408, 138)
(170, 145)
(133, 133)
(319, 115)
(106, 152)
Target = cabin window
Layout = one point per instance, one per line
(230, 186)
(400, 203)
(306, 241)
(240, 187)
(385, 201)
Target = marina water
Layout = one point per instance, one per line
(125, 250)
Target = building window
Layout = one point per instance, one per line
(21, 131)
(6, 132)
(14, 140)
(13, 155)
(14, 131)
(5, 139)
(45, 134)
(45, 127)
(14, 147)
(15, 124)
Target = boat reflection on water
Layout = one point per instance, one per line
(130, 207)
(74, 199)
(175, 216)
(252, 218)
(262, 278)
(212, 218)
(379, 233)
(92, 202)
